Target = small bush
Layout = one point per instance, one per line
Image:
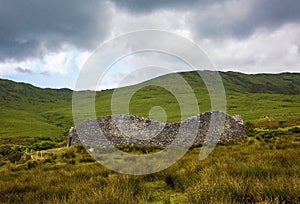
(15, 156)
(43, 145)
(12, 153)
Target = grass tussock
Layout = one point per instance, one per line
(245, 171)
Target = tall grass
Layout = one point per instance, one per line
(245, 171)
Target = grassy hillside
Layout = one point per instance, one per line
(261, 168)
(29, 112)
(252, 96)
(284, 83)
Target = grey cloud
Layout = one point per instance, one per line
(223, 18)
(275, 12)
(239, 19)
(142, 6)
(32, 28)
(23, 70)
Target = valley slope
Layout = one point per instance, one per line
(29, 114)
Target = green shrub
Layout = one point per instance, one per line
(15, 156)
(43, 145)
(12, 153)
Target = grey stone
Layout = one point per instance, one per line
(133, 130)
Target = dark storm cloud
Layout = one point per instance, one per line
(31, 28)
(269, 14)
(223, 18)
(142, 6)
(275, 12)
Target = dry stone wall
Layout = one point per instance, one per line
(134, 130)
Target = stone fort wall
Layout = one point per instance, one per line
(134, 130)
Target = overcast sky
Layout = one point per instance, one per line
(47, 42)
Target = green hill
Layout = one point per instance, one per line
(28, 112)
(31, 112)
(284, 83)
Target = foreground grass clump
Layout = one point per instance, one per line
(246, 171)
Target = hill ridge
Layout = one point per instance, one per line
(33, 112)
(285, 76)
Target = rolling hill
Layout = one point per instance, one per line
(29, 113)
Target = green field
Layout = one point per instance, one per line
(28, 111)
(261, 168)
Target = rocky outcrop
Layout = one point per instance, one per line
(133, 130)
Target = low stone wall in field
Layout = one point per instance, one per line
(134, 130)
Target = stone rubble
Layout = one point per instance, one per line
(133, 130)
